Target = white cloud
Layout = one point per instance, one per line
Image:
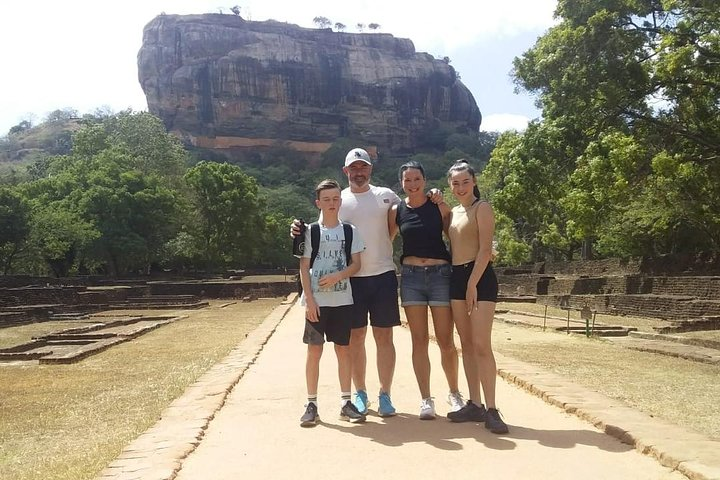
(500, 122)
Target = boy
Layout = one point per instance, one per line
(327, 296)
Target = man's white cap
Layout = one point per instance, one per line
(357, 154)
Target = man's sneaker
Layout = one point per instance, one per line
(385, 406)
(427, 409)
(361, 402)
(311, 417)
(468, 413)
(350, 413)
(456, 401)
(494, 423)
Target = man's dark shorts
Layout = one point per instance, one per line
(378, 296)
(334, 324)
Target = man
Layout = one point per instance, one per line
(375, 285)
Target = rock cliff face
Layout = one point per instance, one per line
(225, 82)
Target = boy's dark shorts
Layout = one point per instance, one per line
(378, 296)
(487, 287)
(334, 324)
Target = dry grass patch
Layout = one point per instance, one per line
(680, 391)
(9, 337)
(67, 422)
(643, 324)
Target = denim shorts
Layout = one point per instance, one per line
(425, 285)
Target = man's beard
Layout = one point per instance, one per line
(359, 181)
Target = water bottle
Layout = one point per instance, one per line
(299, 241)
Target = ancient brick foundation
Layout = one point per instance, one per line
(671, 288)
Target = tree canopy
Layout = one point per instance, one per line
(625, 159)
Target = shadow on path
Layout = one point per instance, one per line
(440, 433)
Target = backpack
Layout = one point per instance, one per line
(315, 246)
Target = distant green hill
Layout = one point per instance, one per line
(48, 138)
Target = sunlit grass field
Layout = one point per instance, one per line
(67, 422)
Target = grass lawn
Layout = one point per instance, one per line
(67, 422)
(677, 390)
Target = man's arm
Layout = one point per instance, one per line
(392, 223)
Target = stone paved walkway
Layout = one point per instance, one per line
(240, 420)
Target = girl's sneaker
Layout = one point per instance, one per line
(468, 413)
(494, 423)
(456, 401)
(427, 409)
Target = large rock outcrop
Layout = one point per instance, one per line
(224, 82)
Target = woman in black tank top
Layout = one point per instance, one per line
(425, 282)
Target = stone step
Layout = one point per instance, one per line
(600, 331)
(157, 299)
(699, 342)
(701, 324)
(158, 306)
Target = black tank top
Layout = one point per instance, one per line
(421, 230)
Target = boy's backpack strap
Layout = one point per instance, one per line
(347, 228)
(314, 241)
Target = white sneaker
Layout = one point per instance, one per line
(456, 401)
(427, 409)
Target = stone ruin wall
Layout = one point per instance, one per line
(673, 288)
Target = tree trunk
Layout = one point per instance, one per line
(587, 250)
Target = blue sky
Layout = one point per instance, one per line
(82, 54)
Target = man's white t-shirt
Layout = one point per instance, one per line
(368, 211)
(330, 259)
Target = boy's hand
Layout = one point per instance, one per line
(329, 280)
(312, 311)
(296, 228)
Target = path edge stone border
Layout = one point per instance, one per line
(157, 454)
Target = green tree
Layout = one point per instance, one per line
(630, 92)
(229, 222)
(120, 185)
(61, 115)
(59, 236)
(20, 127)
(322, 22)
(14, 227)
